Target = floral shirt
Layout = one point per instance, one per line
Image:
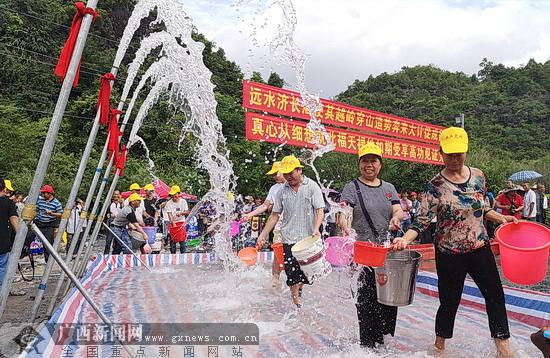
(459, 208)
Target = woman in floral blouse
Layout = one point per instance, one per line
(457, 197)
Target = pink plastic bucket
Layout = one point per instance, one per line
(235, 228)
(524, 251)
(339, 250)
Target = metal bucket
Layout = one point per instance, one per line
(396, 280)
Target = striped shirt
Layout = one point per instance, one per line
(43, 206)
(298, 210)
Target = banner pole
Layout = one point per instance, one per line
(45, 156)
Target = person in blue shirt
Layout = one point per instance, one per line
(48, 211)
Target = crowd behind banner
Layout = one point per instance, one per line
(524, 202)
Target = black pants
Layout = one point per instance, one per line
(375, 319)
(541, 218)
(451, 271)
(294, 275)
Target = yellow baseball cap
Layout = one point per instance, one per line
(370, 148)
(149, 187)
(289, 163)
(135, 186)
(276, 167)
(174, 190)
(134, 197)
(7, 184)
(453, 140)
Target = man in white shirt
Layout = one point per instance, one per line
(529, 203)
(267, 206)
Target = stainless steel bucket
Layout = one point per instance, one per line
(396, 280)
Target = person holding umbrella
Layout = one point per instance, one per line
(457, 196)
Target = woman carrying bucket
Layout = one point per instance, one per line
(376, 208)
(457, 196)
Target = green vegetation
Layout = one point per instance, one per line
(506, 109)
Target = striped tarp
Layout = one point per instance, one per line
(326, 326)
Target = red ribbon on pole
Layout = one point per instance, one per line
(114, 133)
(104, 98)
(121, 160)
(67, 50)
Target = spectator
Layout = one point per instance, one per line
(73, 223)
(510, 202)
(48, 211)
(176, 209)
(542, 204)
(17, 198)
(114, 208)
(257, 202)
(406, 206)
(529, 202)
(415, 206)
(9, 221)
(151, 210)
(248, 203)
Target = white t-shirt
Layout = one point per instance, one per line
(528, 198)
(173, 207)
(271, 195)
(139, 210)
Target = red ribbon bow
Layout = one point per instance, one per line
(104, 98)
(114, 133)
(67, 50)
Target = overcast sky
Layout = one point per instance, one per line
(347, 40)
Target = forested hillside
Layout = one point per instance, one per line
(506, 109)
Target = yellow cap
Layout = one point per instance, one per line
(453, 140)
(135, 186)
(149, 187)
(289, 163)
(276, 167)
(7, 184)
(370, 148)
(134, 197)
(174, 190)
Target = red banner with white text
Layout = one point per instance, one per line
(278, 101)
(270, 129)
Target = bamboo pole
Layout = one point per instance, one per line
(45, 156)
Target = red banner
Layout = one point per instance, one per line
(275, 100)
(261, 127)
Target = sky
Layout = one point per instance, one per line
(346, 40)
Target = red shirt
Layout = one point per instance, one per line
(514, 199)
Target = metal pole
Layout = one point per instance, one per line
(76, 282)
(126, 246)
(97, 227)
(45, 156)
(83, 219)
(68, 209)
(69, 273)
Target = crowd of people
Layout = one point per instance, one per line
(455, 212)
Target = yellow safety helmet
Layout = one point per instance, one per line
(135, 186)
(134, 197)
(7, 184)
(275, 168)
(149, 187)
(370, 148)
(174, 190)
(289, 163)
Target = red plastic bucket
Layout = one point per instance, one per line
(279, 253)
(369, 254)
(248, 255)
(524, 249)
(177, 231)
